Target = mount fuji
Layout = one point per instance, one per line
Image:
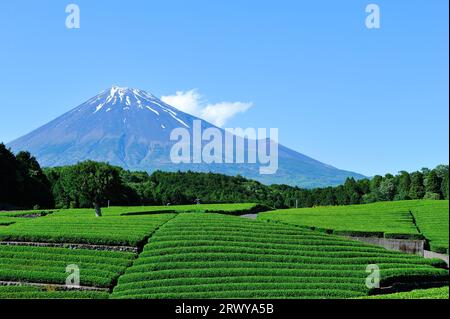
(131, 128)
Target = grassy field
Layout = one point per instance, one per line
(189, 252)
(211, 255)
(403, 219)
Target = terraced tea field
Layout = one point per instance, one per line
(432, 220)
(403, 219)
(49, 292)
(48, 265)
(235, 209)
(80, 226)
(5, 221)
(211, 255)
(191, 252)
(108, 230)
(433, 293)
(371, 219)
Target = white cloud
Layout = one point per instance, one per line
(193, 103)
(188, 101)
(219, 113)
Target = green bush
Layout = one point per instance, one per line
(359, 233)
(404, 236)
(48, 265)
(33, 292)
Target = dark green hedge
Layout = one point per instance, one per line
(354, 233)
(404, 236)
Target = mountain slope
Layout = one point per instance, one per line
(131, 128)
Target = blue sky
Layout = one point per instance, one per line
(371, 101)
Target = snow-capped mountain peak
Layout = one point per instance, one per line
(132, 128)
(122, 92)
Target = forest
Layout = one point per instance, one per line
(25, 185)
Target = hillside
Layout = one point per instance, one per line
(401, 219)
(192, 251)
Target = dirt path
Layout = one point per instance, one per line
(250, 216)
(432, 254)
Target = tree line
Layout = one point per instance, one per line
(91, 184)
(22, 181)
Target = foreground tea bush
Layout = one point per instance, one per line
(48, 265)
(217, 256)
(433, 293)
(31, 292)
(6, 221)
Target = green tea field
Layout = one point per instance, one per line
(403, 219)
(203, 251)
(432, 293)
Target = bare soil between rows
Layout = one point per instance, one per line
(71, 246)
